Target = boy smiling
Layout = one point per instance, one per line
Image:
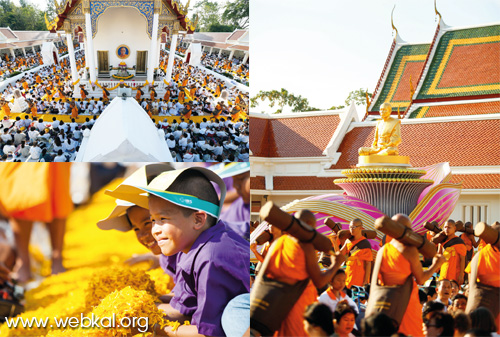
(212, 261)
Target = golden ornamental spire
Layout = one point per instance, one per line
(412, 90)
(436, 11)
(392, 22)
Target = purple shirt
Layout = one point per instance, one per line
(237, 217)
(168, 264)
(213, 272)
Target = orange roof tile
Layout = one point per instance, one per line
(477, 181)
(461, 143)
(292, 137)
(258, 183)
(304, 183)
(464, 64)
(457, 110)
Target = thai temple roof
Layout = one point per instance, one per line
(457, 74)
(394, 83)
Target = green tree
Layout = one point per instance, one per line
(236, 13)
(217, 27)
(22, 17)
(208, 13)
(282, 98)
(357, 96)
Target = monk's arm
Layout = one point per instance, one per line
(259, 257)
(320, 278)
(368, 269)
(411, 254)
(461, 271)
(473, 240)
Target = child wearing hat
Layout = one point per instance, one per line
(212, 261)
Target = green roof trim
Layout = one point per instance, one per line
(407, 50)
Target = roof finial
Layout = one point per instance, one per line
(436, 10)
(392, 22)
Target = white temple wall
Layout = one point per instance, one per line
(121, 26)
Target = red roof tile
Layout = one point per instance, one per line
(461, 143)
(236, 35)
(292, 137)
(8, 33)
(258, 183)
(304, 183)
(477, 181)
(472, 65)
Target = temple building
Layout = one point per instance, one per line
(235, 44)
(18, 43)
(122, 39)
(447, 94)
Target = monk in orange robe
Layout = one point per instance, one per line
(25, 85)
(181, 96)
(454, 252)
(138, 94)
(152, 94)
(470, 243)
(38, 79)
(360, 256)
(292, 261)
(49, 201)
(82, 93)
(398, 262)
(33, 109)
(166, 97)
(74, 110)
(5, 109)
(488, 270)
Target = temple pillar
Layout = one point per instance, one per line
(231, 55)
(72, 60)
(152, 50)
(211, 49)
(245, 58)
(171, 57)
(220, 52)
(89, 54)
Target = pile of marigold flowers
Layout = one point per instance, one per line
(98, 280)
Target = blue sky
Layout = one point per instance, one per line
(323, 49)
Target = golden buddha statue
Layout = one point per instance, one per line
(387, 135)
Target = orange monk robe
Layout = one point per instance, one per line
(192, 92)
(468, 243)
(148, 110)
(82, 93)
(236, 114)
(38, 79)
(152, 95)
(481, 244)
(138, 95)
(394, 270)
(6, 110)
(185, 82)
(488, 270)
(34, 111)
(25, 85)
(47, 185)
(166, 97)
(355, 271)
(74, 112)
(217, 111)
(218, 91)
(181, 96)
(288, 264)
(451, 268)
(105, 95)
(187, 115)
(176, 77)
(205, 81)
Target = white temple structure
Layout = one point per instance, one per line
(123, 133)
(121, 31)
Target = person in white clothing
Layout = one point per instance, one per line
(334, 294)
